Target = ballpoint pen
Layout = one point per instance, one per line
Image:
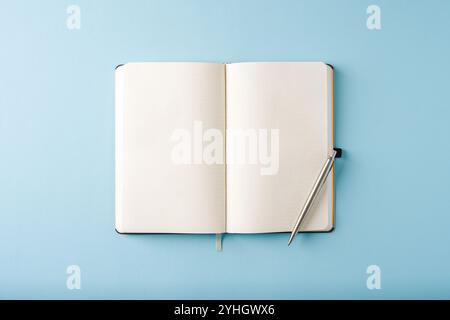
(320, 181)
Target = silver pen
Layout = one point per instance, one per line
(320, 181)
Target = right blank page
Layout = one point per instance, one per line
(297, 99)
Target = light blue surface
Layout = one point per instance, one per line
(57, 149)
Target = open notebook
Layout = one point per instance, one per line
(170, 118)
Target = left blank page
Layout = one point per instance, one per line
(154, 193)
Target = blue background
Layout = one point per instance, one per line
(57, 149)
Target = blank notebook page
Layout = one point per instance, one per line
(296, 98)
(153, 194)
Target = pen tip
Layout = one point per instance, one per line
(290, 240)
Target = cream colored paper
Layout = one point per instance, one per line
(153, 194)
(296, 98)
